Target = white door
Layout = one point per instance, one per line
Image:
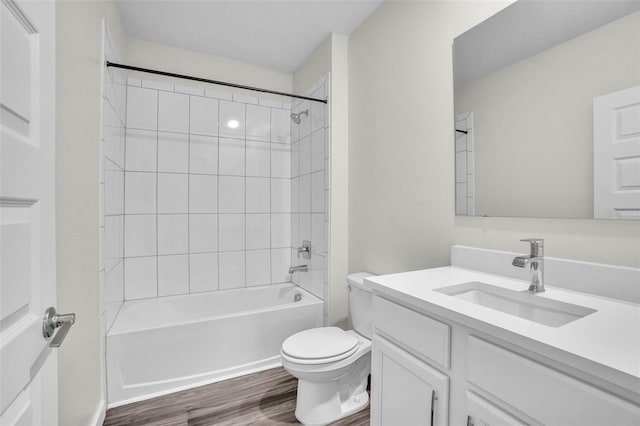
(616, 163)
(28, 381)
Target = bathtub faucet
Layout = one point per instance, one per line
(300, 268)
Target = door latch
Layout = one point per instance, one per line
(53, 320)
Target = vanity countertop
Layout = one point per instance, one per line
(605, 343)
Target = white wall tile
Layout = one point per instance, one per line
(111, 241)
(280, 160)
(305, 155)
(258, 195)
(140, 235)
(273, 103)
(280, 230)
(281, 126)
(258, 123)
(280, 262)
(203, 233)
(316, 275)
(461, 166)
(258, 159)
(140, 277)
(280, 195)
(318, 231)
(189, 90)
(173, 234)
(114, 284)
(295, 195)
(232, 156)
(203, 154)
(158, 85)
(461, 198)
(305, 194)
(142, 108)
(247, 99)
(231, 232)
(316, 112)
(113, 193)
(258, 231)
(232, 119)
(317, 150)
(231, 270)
(203, 194)
(305, 227)
(317, 192)
(211, 93)
(173, 193)
(173, 112)
(305, 120)
(140, 192)
(173, 275)
(173, 152)
(231, 194)
(295, 230)
(203, 116)
(327, 142)
(141, 150)
(203, 272)
(258, 267)
(132, 81)
(295, 159)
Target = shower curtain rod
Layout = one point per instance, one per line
(206, 80)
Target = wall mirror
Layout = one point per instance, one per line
(525, 84)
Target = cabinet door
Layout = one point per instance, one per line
(481, 412)
(406, 391)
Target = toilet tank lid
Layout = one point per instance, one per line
(357, 280)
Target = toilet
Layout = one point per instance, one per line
(332, 365)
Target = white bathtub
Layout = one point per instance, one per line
(157, 346)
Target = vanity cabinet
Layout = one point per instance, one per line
(405, 390)
(427, 370)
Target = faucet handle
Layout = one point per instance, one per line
(537, 246)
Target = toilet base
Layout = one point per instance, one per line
(330, 409)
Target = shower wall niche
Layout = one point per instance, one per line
(208, 190)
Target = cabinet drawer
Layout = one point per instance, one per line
(422, 334)
(541, 392)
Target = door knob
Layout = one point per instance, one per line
(53, 320)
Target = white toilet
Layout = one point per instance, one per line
(332, 365)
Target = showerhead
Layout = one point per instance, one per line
(296, 117)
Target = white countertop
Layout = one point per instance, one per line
(608, 338)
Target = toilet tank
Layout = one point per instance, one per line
(360, 303)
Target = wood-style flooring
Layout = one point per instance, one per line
(264, 398)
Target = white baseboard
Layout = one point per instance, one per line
(101, 412)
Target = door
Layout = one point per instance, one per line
(405, 390)
(616, 163)
(28, 382)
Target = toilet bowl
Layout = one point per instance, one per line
(332, 365)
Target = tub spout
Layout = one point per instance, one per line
(300, 268)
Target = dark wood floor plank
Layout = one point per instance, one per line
(265, 398)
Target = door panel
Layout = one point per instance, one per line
(27, 222)
(616, 133)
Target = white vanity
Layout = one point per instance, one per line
(462, 347)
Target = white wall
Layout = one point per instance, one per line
(332, 56)
(401, 177)
(533, 123)
(147, 54)
(78, 107)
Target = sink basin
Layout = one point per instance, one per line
(518, 303)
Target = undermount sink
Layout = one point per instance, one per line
(521, 304)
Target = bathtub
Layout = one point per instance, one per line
(158, 346)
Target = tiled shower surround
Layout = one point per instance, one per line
(207, 190)
(310, 189)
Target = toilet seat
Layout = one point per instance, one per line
(319, 346)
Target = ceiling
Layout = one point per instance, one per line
(274, 34)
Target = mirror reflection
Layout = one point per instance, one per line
(531, 83)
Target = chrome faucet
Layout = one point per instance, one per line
(535, 263)
(305, 250)
(299, 268)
